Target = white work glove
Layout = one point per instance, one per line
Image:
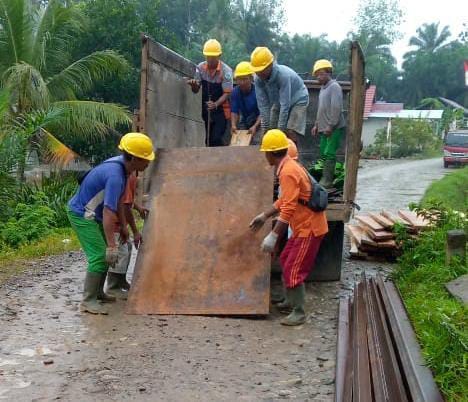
(258, 222)
(112, 255)
(269, 242)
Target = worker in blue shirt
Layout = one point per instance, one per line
(244, 110)
(281, 95)
(95, 209)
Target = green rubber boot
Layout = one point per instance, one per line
(328, 174)
(277, 296)
(296, 297)
(104, 297)
(92, 285)
(285, 306)
(114, 285)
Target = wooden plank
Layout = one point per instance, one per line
(379, 236)
(382, 220)
(394, 218)
(199, 256)
(356, 250)
(363, 238)
(241, 138)
(369, 222)
(413, 219)
(342, 348)
(361, 379)
(338, 212)
(356, 232)
(421, 384)
(355, 119)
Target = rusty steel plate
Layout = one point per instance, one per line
(199, 256)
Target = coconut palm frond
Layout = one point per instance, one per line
(57, 26)
(53, 150)
(16, 33)
(27, 87)
(4, 105)
(90, 119)
(82, 74)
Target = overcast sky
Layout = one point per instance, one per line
(303, 17)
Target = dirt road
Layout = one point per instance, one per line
(49, 351)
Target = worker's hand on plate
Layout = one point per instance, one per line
(233, 129)
(137, 239)
(112, 255)
(193, 83)
(314, 131)
(253, 130)
(257, 222)
(211, 105)
(269, 242)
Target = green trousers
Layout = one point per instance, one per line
(92, 239)
(329, 144)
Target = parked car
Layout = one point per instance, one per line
(456, 148)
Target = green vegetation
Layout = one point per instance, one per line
(409, 137)
(439, 320)
(452, 191)
(13, 261)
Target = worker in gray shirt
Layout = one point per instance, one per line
(330, 122)
(282, 97)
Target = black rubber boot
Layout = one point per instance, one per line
(103, 296)
(114, 285)
(90, 303)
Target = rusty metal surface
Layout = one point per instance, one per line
(387, 380)
(199, 256)
(418, 378)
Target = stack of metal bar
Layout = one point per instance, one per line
(373, 234)
(378, 357)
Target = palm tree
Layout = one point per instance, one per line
(429, 39)
(43, 83)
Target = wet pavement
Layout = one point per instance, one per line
(50, 351)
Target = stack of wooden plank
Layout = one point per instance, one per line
(372, 235)
(378, 356)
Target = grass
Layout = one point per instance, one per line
(440, 321)
(14, 261)
(452, 190)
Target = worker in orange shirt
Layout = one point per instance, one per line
(308, 227)
(117, 284)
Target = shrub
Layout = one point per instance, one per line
(409, 137)
(29, 222)
(440, 321)
(58, 189)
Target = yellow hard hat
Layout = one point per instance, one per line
(212, 48)
(261, 58)
(243, 69)
(320, 65)
(137, 144)
(292, 150)
(274, 140)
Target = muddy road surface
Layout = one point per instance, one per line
(50, 351)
